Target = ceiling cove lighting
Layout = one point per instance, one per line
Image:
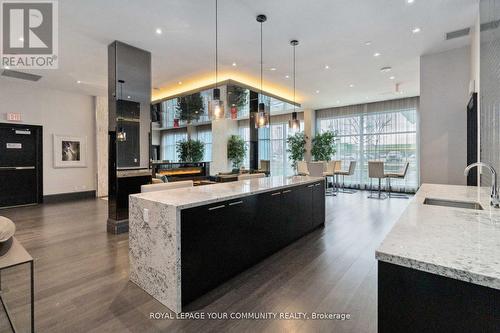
(262, 118)
(294, 123)
(217, 106)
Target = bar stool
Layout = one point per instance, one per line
(398, 175)
(376, 170)
(348, 172)
(330, 172)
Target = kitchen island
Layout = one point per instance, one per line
(185, 242)
(439, 267)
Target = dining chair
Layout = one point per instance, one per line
(348, 172)
(376, 170)
(330, 172)
(401, 174)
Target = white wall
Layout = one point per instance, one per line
(444, 93)
(60, 113)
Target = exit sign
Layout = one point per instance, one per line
(11, 116)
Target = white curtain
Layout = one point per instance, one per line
(385, 131)
(169, 140)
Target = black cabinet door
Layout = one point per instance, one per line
(218, 241)
(318, 204)
(296, 203)
(270, 223)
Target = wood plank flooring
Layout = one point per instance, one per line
(82, 282)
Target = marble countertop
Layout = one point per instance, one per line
(458, 243)
(203, 195)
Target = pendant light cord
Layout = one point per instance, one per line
(294, 104)
(261, 61)
(216, 44)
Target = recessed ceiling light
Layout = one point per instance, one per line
(272, 68)
(410, 1)
(234, 64)
(78, 81)
(180, 82)
(317, 91)
(385, 69)
(376, 54)
(287, 76)
(392, 77)
(128, 97)
(415, 30)
(351, 85)
(368, 43)
(327, 67)
(338, 102)
(159, 31)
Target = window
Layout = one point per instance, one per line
(204, 134)
(169, 140)
(384, 131)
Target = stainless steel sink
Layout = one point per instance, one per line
(453, 203)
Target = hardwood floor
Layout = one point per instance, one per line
(82, 282)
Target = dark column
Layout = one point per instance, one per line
(254, 132)
(129, 103)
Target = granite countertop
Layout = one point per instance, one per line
(133, 173)
(458, 243)
(203, 195)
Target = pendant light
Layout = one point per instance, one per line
(121, 135)
(262, 119)
(217, 105)
(294, 123)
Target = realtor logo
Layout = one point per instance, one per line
(29, 33)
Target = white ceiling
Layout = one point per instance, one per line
(330, 33)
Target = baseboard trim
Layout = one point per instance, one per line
(54, 198)
(117, 227)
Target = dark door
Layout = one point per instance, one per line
(20, 165)
(318, 204)
(472, 138)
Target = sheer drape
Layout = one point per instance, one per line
(204, 134)
(169, 140)
(384, 131)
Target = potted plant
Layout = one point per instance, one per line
(323, 146)
(190, 150)
(236, 150)
(190, 108)
(296, 148)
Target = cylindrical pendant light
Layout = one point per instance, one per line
(262, 119)
(217, 106)
(295, 122)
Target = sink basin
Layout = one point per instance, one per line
(453, 203)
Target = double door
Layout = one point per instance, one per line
(20, 165)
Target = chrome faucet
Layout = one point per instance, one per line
(495, 200)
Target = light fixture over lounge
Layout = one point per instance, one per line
(217, 106)
(262, 119)
(294, 123)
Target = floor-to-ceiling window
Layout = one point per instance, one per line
(204, 134)
(384, 131)
(169, 139)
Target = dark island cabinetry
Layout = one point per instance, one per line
(222, 239)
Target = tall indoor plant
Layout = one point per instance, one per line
(236, 150)
(190, 108)
(190, 150)
(323, 146)
(296, 148)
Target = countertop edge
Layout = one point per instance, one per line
(241, 195)
(457, 274)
